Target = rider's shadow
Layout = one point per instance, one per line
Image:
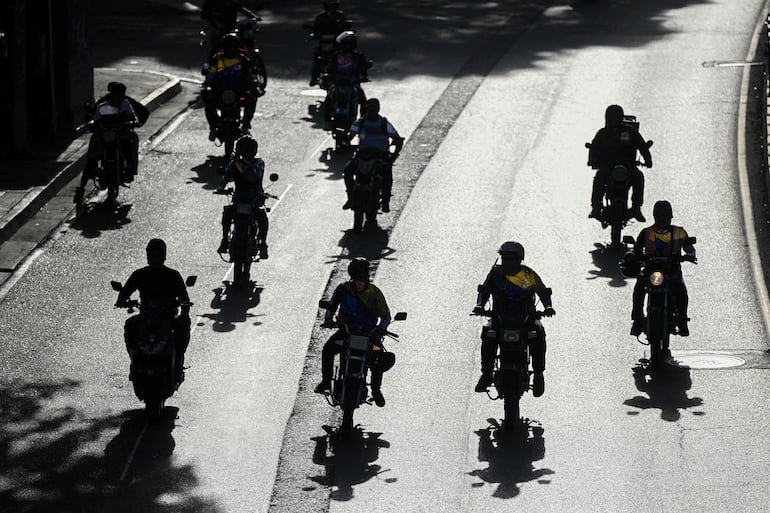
(348, 462)
(93, 218)
(333, 163)
(315, 114)
(233, 304)
(606, 260)
(666, 390)
(510, 456)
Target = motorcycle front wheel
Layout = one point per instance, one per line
(153, 407)
(241, 273)
(512, 411)
(656, 336)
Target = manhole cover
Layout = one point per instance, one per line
(318, 93)
(705, 360)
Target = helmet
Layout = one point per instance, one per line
(246, 147)
(330, 3)
(230, 44)
(359, 268)
(512, 249)
(662, 208)
(347, 40)
(157, 246)
(117, 88)
(613, 115)
(630, 266)
(372, 105)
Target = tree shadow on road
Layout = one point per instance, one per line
(666, 390)
(350, 462)
(52, 457)
(510, 456)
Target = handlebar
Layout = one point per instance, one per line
(229, 191)
(537, 314)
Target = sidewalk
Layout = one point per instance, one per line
(26, 185)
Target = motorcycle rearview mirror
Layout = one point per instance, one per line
(649, 143)
(116, 286)
(588, 145)
(190, 281)
(628, 239)
(400, 316)
(273, 177)
(326, 305)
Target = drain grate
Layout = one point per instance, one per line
(731, 64)
(744, 359)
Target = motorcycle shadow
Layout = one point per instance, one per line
(315, 114)
(606, 259)
(157, 442)
(666, 390)
(510, 456)
(348, 462)
(233, 303)
(208, 175)
(93, 218)
(370, 243)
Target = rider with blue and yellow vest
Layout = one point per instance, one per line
(662, 239)
(362, 307)
(513, 287)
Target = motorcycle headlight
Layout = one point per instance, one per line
(656, 279)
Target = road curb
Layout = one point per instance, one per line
(36, 198)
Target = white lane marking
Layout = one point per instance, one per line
(133, 452)
(743, 176)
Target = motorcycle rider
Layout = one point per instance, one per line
(660, 239)
(230, 68)
(617, 143)
(163, 287)
(329, 23)
(375, 136)
(348, 66)
(247, 171)
(361, 304)
(513, 287)
(114, 108)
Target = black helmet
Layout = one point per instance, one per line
(157, 246)
(347, 40)
(117, 88)
(511, 249)
(613, 115)
(359, 268)
(630, 266)
(330, 3)
(372, 105)
(662, 208)
(246, 147)
(230, 44)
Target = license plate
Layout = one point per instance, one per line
(510, 336)
(359, 343)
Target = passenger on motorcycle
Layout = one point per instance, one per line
(513, 287)
(160, 287)
(247, 171)
(617, 143)
(229, 68)
(363, 307)
(660, 239)
(348, 66)
(113, 109)
(375, 135)
(327, 24)
(222, 16)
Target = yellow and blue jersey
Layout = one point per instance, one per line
(515, 293)
(361, 310)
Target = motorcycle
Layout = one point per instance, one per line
(243, 250)
(349, 390)
(341, 104)
(230, 128)
(153, 360)
(365, 196)
(662, 319)
(246, 29)
(325, 49)
(512, 376)
(112, 170)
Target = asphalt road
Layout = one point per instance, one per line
(496, 103)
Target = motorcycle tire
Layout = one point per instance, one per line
(346, 427)
(153, 407)
(358, 220)
(656, 337)
(512, 411)
(241, 273)
(259, 71)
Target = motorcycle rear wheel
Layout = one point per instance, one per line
(153, 406)
(512, 411)
(346, 427)
(241, 273)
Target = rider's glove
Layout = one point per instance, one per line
(478, 309)
(549, 311)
